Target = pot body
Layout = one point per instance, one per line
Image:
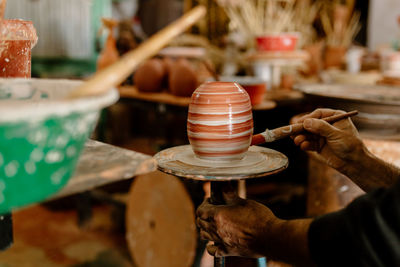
(220, 121)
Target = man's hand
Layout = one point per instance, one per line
(338, 145)
(239, 228)
(249, 229)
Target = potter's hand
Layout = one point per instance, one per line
(239, 228)
(337, 145)
(340, 146)
(249, 229)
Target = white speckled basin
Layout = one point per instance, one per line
(41, 136)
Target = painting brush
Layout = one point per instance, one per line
(293, 129)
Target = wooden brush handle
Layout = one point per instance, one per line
(115, 74)
(297, 128)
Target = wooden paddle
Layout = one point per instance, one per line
(119, 71)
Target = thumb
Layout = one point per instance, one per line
(320, 127)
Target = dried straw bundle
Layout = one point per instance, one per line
(339, 27)
(260, 17)
(305, 15)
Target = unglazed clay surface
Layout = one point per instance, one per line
(220, 121)
(257, 162)
(188, 157)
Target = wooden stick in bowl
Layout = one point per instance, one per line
(119, 71)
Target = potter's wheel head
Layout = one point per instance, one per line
(257, 162)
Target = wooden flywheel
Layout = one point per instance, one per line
(160, 222)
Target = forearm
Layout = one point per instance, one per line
(287, 241)
(370, 172)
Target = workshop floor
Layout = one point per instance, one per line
(53, 239)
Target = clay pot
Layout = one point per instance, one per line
(150, 75)
(334, 56)
(182, 78)
(109, 55)
(17, 38)
(220, 121)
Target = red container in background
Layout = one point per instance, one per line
(277, 42)
(255, 87)
(256, 92)
(17, 38)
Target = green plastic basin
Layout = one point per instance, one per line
(41, 136)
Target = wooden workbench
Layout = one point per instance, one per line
(131, 92)
(102, 164)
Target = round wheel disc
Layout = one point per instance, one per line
(160, 221)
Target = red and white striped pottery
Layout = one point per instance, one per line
(220, 121)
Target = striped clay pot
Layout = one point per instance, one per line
(220, 121)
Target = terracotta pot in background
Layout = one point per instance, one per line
(182, 78)
(334, 56)
(150, 75)
(256, 92)
(315, 61)
(17, 38)
(109, 54)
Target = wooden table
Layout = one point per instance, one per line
(102, 164)
(131, 92)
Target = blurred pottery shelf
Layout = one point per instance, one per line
(161, 97)
(267, 64)
(166, 98)
(102, 164)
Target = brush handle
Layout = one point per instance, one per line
(110, 77)
(293, 129)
